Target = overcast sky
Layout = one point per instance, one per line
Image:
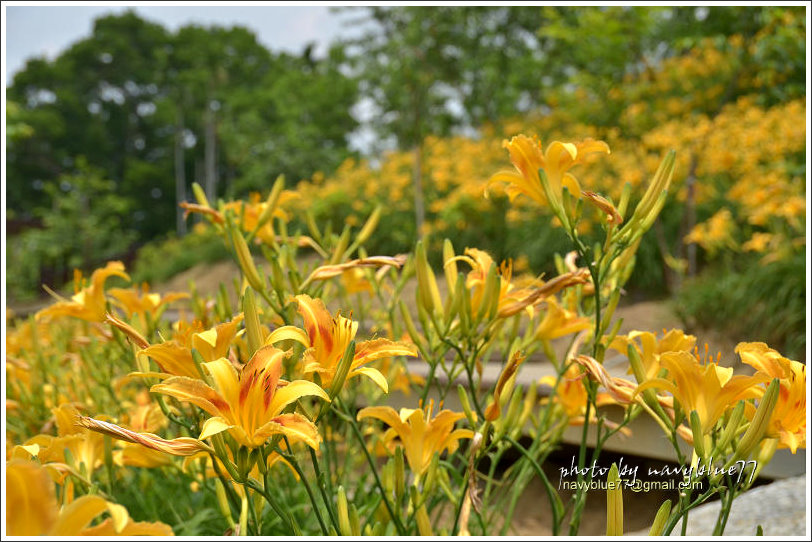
(33, 31)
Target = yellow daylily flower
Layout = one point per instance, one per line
(175, 357)
(85, 448)
(559, 322)
(527, 157)
(87, 303)
(420, 435)
(706, 388)
(650, 349)
(248, 403)
(141, 302)
(32, 509)
(788, 420)
(327, 337)
(252, 210)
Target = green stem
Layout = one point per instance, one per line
(683, 510)
(281, 512)
(552, 494)
(357, 432)
(727, 503)
(322, 489)
(295, 463)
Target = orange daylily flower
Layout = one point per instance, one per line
(248, 403)
(527, 157)
(327, 337)
(32, 509)
(706, 388)
(87, 303)
(420, 435)
(788, 420)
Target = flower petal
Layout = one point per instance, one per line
(293, 391)
(374, 374)
(213, 426)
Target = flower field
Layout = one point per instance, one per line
(443, 272)
(272, 416)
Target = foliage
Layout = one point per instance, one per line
(162, 259)
(149, 107)
(82, 221)
(276, 405)
(764, 301)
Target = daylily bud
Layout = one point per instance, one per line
(343, 513)
(568, 206)
(529, 405)
(649, 219)
(244, 515)
(244, 462)
(222, 455)
(511, 368)
(765, 454)
(369, 227)
(466, 317)
(450, 265)
(614, 503)
(511, 418)
(399, 474)
(624, 199)
(271, 202)
(133, 336)
(341, 247)
(423, 523)
(388, 477)
(606, 318)
(552, 198)
(252, 326)
(761, 419)
(355, 521)
(315, 233)
(699, 436)
(731, 427)
(660, 519)
(246, 261)
(199, 361)
(342, 370)
(636, 363)
(491, 294)
(454, 302)
(222, 501)
(466, 405)
(612, 214)
(431, 478)
(658, 185)
(409, 323)
(428, 295)
(200, 195)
